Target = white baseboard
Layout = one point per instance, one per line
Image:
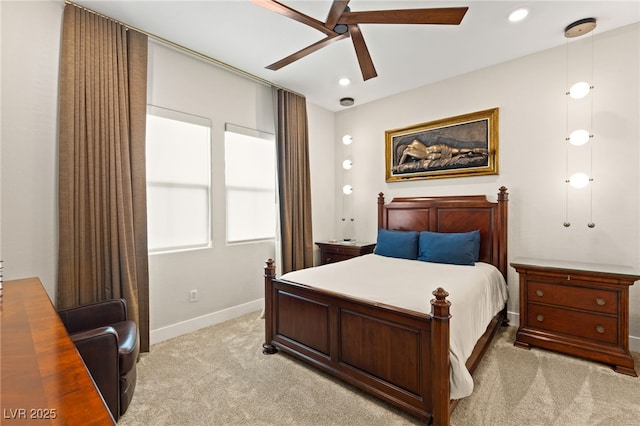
(514, 318)
(634, 342)
(174, 330)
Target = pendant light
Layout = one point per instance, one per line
(580, 91)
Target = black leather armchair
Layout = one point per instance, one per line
(109, 346)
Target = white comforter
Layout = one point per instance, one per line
(477, 293)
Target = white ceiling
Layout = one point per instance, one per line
(248, 37)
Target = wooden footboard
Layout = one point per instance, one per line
(399, 356)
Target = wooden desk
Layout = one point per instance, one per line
(44, 380)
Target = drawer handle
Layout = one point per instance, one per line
(600, 301)
(539, 292)
(540, 317)
(600, 328)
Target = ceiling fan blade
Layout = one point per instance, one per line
(284, 10)
(307, 50)
(364, 58)
(442, 16)
(336, 11)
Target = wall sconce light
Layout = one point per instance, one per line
(347, 190)
(579, 137)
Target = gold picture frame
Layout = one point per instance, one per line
(465, 145)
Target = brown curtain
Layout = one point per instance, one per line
(294, 183)
(102, 182)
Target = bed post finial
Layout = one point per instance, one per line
(440, 357)
(503, 195)
(380, 210)
(270, 269)
(440, 305)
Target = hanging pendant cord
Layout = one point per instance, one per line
(566, 156)
(591, 224)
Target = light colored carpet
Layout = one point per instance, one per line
(219, 376)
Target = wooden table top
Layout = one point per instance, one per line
(44, 380)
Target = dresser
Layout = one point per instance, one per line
(336, 251)
(577, 309)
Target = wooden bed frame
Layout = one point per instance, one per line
(397, 355)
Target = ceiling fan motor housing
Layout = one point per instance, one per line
(341, 28)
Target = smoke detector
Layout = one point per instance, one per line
(346, 102)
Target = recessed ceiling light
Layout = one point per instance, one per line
(518, 15)
(344, 81)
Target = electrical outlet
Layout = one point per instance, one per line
(193, 296)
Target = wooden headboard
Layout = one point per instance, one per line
(453, 214)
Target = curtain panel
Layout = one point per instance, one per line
(102, 177)
(294, 182)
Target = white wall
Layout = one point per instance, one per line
(31, 33)
(530, 94)
(228, 278)
(322, 157)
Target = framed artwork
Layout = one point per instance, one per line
(466, 145)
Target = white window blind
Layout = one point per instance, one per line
(178, 148)
(250, 177)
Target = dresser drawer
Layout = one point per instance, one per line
(333, 256)
(595, 327)
(590, 299)
(343, 250)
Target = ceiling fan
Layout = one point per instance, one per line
(342, 23)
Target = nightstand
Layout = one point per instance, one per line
(336, 251)
(576, 308)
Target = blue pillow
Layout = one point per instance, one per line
(476, 244)
(400, 244)
(454, 248)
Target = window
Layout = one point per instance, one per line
(178, 180)
(250, 184)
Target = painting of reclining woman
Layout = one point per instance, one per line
(459, 146)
